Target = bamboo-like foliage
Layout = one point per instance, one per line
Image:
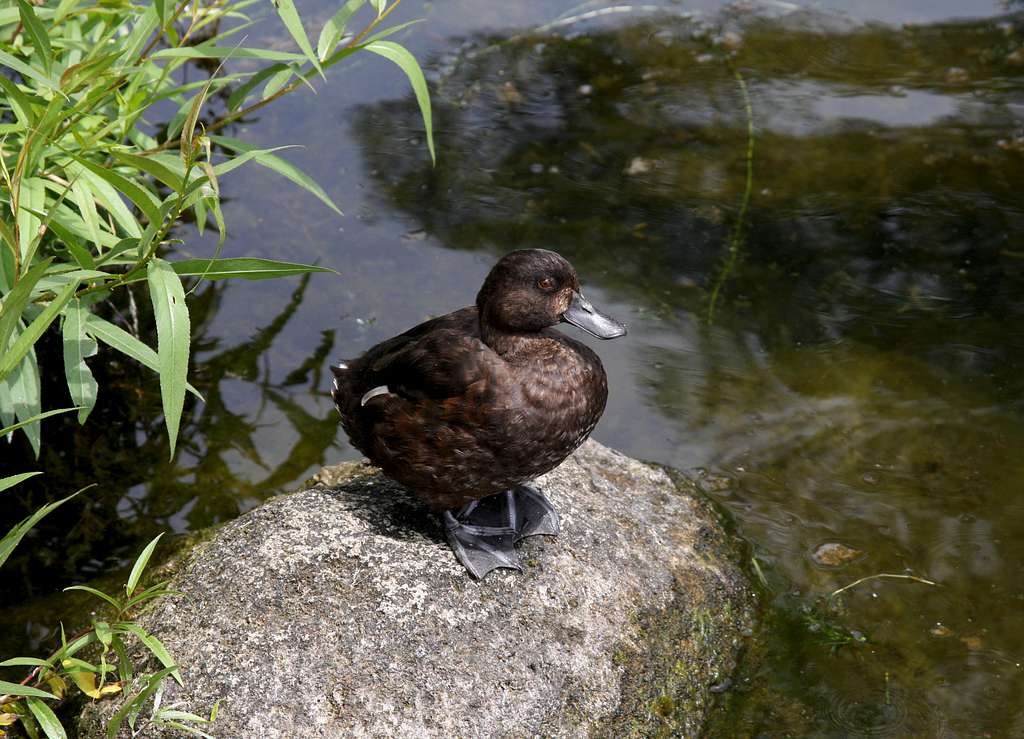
(91, 188)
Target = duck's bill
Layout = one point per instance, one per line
(585, 316)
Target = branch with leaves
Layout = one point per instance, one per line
(92, 190)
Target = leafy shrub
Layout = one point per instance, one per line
(92, 188)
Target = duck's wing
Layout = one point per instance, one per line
(442, 363)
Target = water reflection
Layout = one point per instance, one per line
(221, 471)
(862, 385)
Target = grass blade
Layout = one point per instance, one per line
(140, 565)
(172, 332)
(408, 64)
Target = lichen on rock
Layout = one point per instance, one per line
(340, 611)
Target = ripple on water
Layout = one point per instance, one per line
(885, 712)
(962, 547)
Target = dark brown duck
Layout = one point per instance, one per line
(466, 409)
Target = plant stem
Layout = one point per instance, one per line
(855, 583)
(739, 229)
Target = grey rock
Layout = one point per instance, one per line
(339, 611)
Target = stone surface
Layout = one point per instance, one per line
(339, 611)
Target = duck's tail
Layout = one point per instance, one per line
(341, 389)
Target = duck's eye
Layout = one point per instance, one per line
(546, 283)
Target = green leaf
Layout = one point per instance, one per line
(232, 164)
(8, 429)
(246, 268)
(19, 102)
(239, 95)
(140, 33)
(292, 21)
(10, 482)
(32, 198)
(15, 689)
(25, 662)
(186, 728)
(16, 300)
(391, 30)
(98, 593)
(140, 565)
(47, 719)
(11, 538)
(223, 52)
(21, 391)
(408, 64)
(153, 166)
(172, 332)
(152, 683)
(77, 346)
(334, 29)
(281, 166)
(124, 665)
(140, 196)
(36, 32)
(174, 715)
(25, 70)
(117, 338)
(109, 199)
(103, 633)
(82, 196)
(21, 346)
(154, 645)
(379, 5)
(277, 81)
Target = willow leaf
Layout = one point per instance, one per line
(172, 332)
(408, 64)
(290, 17)
(77, 346)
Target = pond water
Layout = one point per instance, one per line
(829, 342)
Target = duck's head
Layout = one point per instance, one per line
(531, 289)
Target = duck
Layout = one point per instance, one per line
(467, 409)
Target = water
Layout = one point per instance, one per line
(859, 383)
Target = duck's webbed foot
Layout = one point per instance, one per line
(483, 534)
